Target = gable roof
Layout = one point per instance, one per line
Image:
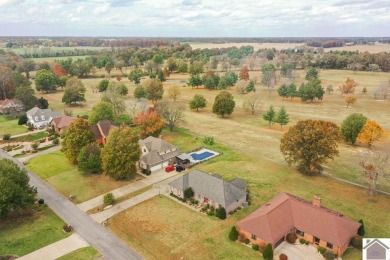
(11, 102)
(62, 122)
(156, 144)
(36, 114)
(102, 128)
(209, 186)
(370, 243)
(239, 183)
(285, 211)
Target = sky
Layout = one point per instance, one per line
(195, 18)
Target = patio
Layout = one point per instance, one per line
(298, 252)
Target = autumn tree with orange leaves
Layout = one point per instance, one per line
(150, 124)
(348, 87)
(59, 71)
(244, 73)
(371, 132)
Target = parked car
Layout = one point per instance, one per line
(186, 161)
(170, 168)
(180, 168)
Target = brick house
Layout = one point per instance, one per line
(156, 153)
(61, 123)
(102, 129)
(287, 213)
(210, 189)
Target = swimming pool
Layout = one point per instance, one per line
(202, 155)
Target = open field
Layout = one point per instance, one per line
(9, 125)
(25, 234)
(64, 177)
(85, 253)
(53, 50)
(160, 228)
(376, 48)
(52, 59)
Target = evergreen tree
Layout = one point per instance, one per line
(282, 118)
(270, 115)
(268, 252)
(251, 86)
(89, 160)
(283, 91)
(361, 230)
(292, 91)
(198, 101)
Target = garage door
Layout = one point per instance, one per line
(155, 168)
(165, 164)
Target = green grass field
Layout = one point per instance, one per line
(58, 172)
(85, 253)
(9, 125)
(25, 234)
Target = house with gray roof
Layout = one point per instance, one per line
(156, 153)
(209, 189)
(40, 118)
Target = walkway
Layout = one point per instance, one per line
(110, 246)
(50, 150)
(298, 251)
(161, 188)
(57, 249)
(122, 191)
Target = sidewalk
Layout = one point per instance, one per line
(50, 150)
(57, 249)
(122, 191)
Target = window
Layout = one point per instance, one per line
(36, 118)
(316, 240)
(329, 245)
(253, 236)
(144, 150)
(43, 117)
(300, 233)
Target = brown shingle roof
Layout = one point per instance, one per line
(63, 121)
(102, 128)
(285, 211)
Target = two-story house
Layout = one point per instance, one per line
(40, 118)
(156, 153)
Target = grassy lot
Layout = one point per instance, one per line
(148, 226)
(9, 125)
(57, 171)
(163, 229)
(25, 234)
(85, 253)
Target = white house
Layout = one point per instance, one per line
(40, 118)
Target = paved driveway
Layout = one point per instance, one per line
(298, 252)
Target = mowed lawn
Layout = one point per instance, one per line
(160, 228)
(64, 177)
(25, 234)
(85, 253)
(9, 125)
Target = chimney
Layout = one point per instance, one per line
(316, 201)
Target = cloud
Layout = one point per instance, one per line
(101, 9)
(79, 9)
(5, 3)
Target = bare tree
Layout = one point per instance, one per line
(132, 105)
(383, 90)
(174, 92)
(269, 79)
(172, 113)
(374, 168)
(251, 102)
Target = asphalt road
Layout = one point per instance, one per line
(110, 246)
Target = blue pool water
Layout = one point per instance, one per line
(201, 156)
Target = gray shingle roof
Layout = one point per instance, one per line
(239, 183)
(209, 186)
(37, 113)
(155, 147)
(156, 144)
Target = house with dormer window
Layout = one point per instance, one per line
(40, 118)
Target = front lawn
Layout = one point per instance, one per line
(161, 228)
(25, 234)
(85, 253)
(64, 177)
(9, 125)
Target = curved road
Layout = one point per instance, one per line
(99, 237)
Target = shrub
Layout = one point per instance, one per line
(357, 242)
(307, 243)
(255, 247)
(35, 146)
(6, 137)
(41, 201)
(208, 140)
(302, 241)
(361, 230)
(146, 171)
(188, 193)
(246, 241)
(291, 238)
(67, 228)
(22, 120)
(268, 252)
(283, 257)
(329, 255)
(321, 250)
(210, 213)
(109, 199)
(56, 141)
(233, 235)
(220, 213)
